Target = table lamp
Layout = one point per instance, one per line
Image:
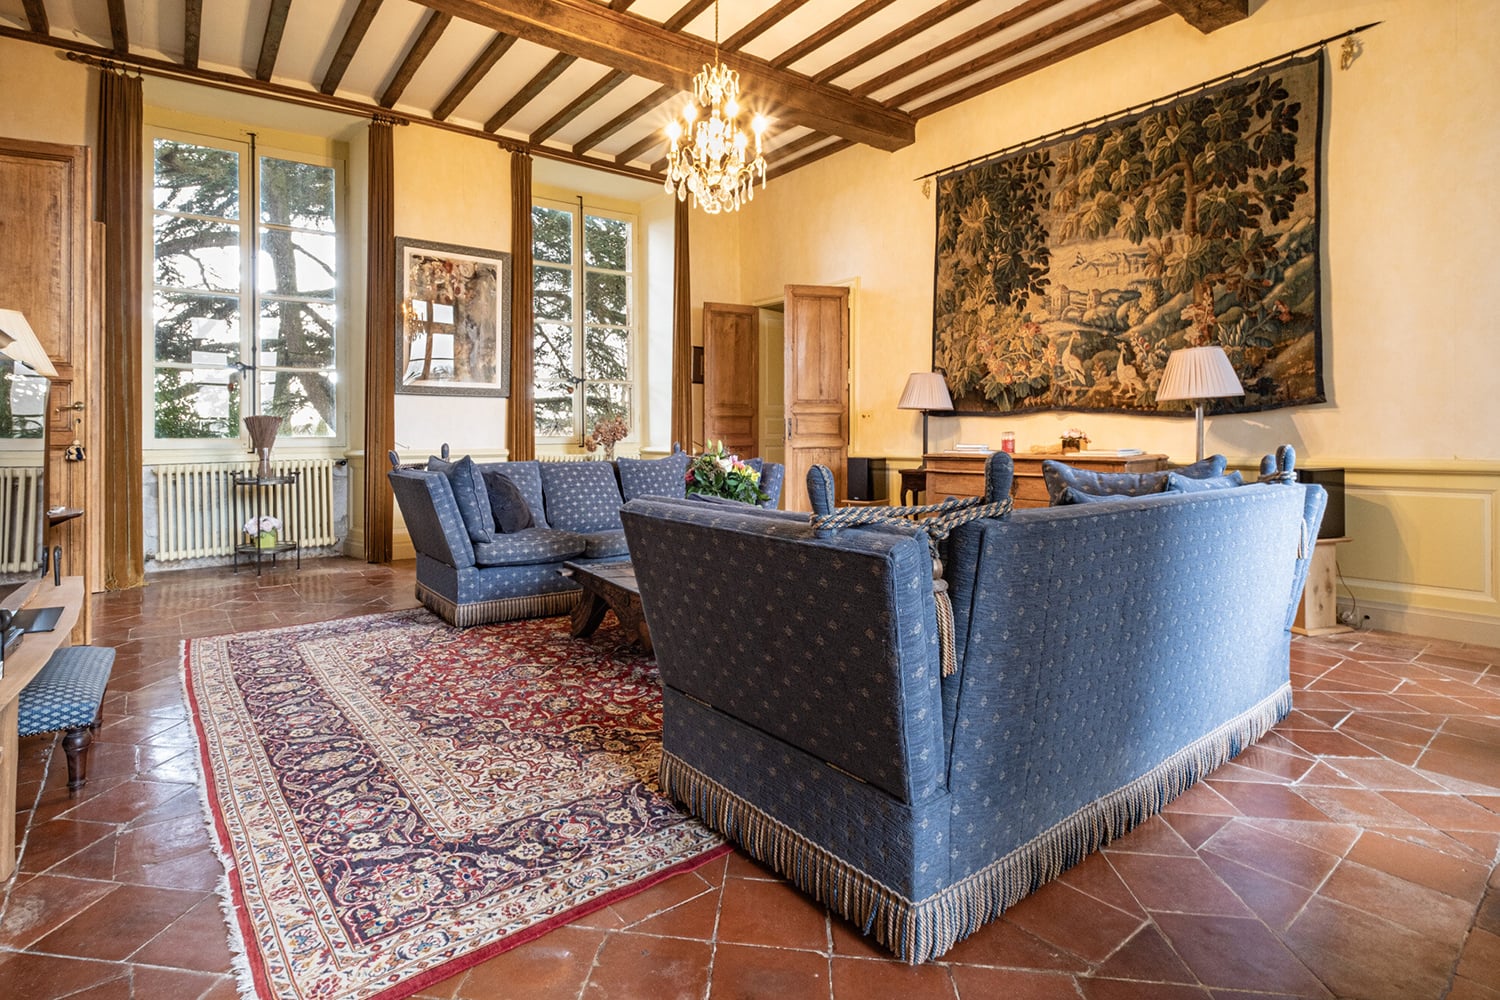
(925, 391)
(1199, 373)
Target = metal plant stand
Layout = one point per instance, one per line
(260, 485)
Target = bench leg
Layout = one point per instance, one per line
(76, 746)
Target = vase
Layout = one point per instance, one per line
(262, 437)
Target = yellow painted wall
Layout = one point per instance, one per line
(1412, 134)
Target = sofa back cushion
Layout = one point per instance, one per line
(1058, 475)
(469, 494)
(527, 478)
(1178, 483)
(657, 477)
(509, 507)
(581, 496)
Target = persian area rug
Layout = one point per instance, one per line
(396, 799)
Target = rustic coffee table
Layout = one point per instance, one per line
(607, 586)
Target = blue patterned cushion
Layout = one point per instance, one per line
(1060, 474)
(534, 545)
(605, 545)
(658, 477)
(581, 496)
(1178, 483)
(527, 477)
(1072, 495)
(509, 507)
(66, 692)
(472, 499)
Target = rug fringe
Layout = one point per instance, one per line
(919, 930)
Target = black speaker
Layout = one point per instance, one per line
(1331, 480)
(867, 479)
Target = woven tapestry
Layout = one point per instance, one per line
(1069, 269)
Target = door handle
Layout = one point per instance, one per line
(71, 406)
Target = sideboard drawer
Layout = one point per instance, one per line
(941, 485)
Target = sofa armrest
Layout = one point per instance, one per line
(431, 515)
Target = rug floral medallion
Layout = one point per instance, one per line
(397, 799)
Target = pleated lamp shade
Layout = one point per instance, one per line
(925, 391)
(1199, 373)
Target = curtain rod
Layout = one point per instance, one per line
(1114, 115)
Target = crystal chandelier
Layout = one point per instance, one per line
(715, 166)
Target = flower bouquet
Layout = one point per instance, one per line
(262, 532)
(716, 473)
(607, 433)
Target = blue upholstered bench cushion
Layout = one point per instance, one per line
(581, 496)
(654, 477)
(66, 692)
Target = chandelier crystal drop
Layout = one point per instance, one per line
(715, 165)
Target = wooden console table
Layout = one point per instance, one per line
(24, 663)
(961, 474)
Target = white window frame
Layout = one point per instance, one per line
(236, 139)
(579, 210)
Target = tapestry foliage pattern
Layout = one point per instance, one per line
(1068, 270)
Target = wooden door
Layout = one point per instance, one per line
(817, 388)
(44, 273)
(731, 388)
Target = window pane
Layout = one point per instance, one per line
(553, 351)
(606, 353)
(303, 264)
(23, 400)
(197, 179)
(605, 298)
(191, 253)
(188, 325)
(197, 403)
(552, 235)
(554, 416)
(303, 400)
(296, 194)
(606, 243)
(296, 334)
(552, 291)
(604, 402)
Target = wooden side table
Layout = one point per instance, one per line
(1318, 614)
(913, 484)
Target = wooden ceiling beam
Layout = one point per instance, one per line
(644, 106)
(432, 30)
(533, 87)
(36, 16)
(578, 106)
(192, 31)
(583, 29)
(1210, 15)
(655, 137)
(784, 167)
(967, 40)
(476, 71)
(354, 33)
(891, 39)
(758, 27)
(270, 42)
(119, 31)
(830, 31)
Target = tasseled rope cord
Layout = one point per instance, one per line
(945, 517)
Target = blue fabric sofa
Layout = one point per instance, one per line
(469, 571)
(1108, 655)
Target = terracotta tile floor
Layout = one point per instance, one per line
(1352, 853)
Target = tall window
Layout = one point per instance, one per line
(583, 268)
(245, 280)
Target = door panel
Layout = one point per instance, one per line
(731, 387)
(817, 387)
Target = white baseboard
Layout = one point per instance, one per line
(1453, 625)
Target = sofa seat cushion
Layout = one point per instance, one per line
(533, 545)
(581, 496)
(656, 477)
(527, 478)
(1059, 475)
(605, 545)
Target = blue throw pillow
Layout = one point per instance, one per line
(653, 477)
(1178, 483)
(472, 499)
(1073, 495)
(1058, 475)
(509, 507)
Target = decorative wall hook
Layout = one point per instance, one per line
(1352, 49)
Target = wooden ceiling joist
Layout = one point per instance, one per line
(533, 87)
(1210, 15)
(476, 71)
(761, 24)
(192, 31)
(644, 106)
(891, 39)
(270, 43)
(830, 31)
(119, 31)
(653, 139)
(354, 33)
(579, 105)
(432, 30)
(583, 29)
(36, 16)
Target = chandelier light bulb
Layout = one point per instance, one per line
(715, 167)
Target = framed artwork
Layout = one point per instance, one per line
(454, 316)
(1069, 269)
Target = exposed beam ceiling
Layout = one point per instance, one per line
(353, 35)
(119, 31)
(432, 30)
(192, 30)
(36, 16)
(1210, 15)
(270, 42)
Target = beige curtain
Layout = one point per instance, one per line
(520, 429)
(120, 201)
(682, 333)
(380, 344)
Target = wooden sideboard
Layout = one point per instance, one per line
(961, 474)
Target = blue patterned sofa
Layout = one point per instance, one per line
(470, 571)
(1107, 656)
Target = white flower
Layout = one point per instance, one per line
(266, 523)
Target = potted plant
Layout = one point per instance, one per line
(263, 532)
(716, 473)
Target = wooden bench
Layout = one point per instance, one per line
(68, 694)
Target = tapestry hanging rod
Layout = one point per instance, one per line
(1112, 116)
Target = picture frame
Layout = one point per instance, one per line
(453, 319)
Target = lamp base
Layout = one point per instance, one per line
(1198, 419)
